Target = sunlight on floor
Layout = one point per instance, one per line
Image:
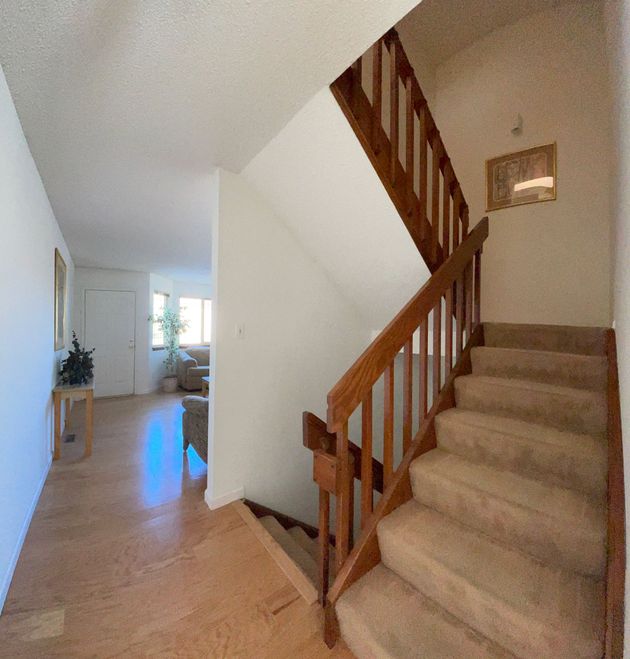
(165, 466)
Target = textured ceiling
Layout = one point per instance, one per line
(441, 28)
(128, 105)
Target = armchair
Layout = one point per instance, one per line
(192, 364)
(195, 425)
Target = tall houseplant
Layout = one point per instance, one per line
(172, 326)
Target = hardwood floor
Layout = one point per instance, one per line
(124, 558)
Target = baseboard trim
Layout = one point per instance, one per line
(8, 577)
(224, 499)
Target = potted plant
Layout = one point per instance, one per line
(78, 368)
(172, 326)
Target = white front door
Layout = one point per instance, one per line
(110, 328)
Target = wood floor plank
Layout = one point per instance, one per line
(124, 558)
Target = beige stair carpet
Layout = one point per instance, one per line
(300, 556)
(501, 551)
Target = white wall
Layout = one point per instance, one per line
(316, 176)
(618, 33)
(300, 336)
(546, 262)
(191, 289)
(29, 236)
(120, 280)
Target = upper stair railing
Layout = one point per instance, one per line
(382, 99)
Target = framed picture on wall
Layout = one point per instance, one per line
(61, 287)
(523, 177)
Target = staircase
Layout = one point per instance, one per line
(502, 549)
(489, 519)
(300, 548)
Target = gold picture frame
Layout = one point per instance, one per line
(523, 177)
(61, 300)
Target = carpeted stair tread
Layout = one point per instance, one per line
(564, 408)
(307, 543)
(563, 369)
(563, 527)
(566, 459)
(383, 616)
(554, 338)
(296, 553)
(530, 608)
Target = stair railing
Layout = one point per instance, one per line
(323, 444)
(447, 308)
(382, 99)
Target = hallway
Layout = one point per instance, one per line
(124, 558)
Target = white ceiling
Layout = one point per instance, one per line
(129, 105)
(442, 28)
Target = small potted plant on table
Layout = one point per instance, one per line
(78, 368)
(172, 326)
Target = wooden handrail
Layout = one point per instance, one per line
(395, 166)
(316, 437)
(346, 395)
(616, 561)
(407, 155)
(338, 461)
(366, 553)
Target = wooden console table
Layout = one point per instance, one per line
(69, 393)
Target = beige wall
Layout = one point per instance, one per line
(546, 262)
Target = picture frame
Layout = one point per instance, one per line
(61, 300)
(522, 177)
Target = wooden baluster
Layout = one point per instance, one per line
(345, 483)
(407, 395)
(459, 316)
(351, 507)
(367, 487)
(410, 117)
(464, 221)
(468, 277)
(446, 211)
(393, 109)
(477, 312)
(457, 203)
(448, 332)
(388, 425)
(437, 349)
(377, 94)
(357, 72)
(422, 363)
(324, 544)
(422, 170)
(436, 147)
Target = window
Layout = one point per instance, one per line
(198, 313)
(160, 301)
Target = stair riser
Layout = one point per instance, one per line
(548, 463)
(554, 338)
(578, 371)
(533, 532)
(583, 412)
(490, 615)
